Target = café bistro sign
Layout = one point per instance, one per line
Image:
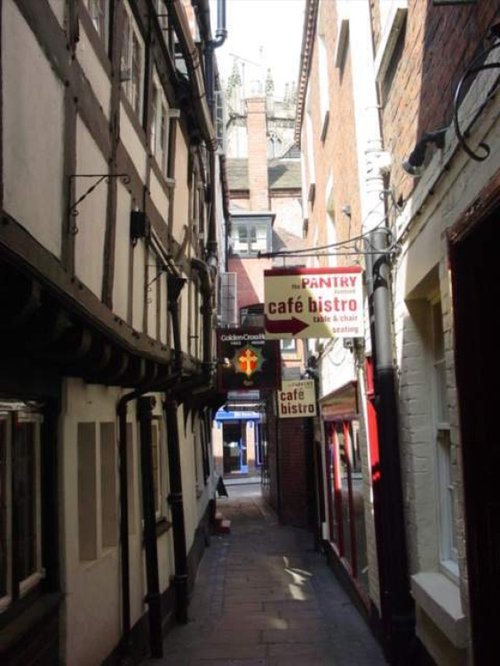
(297, 399)
(314, 302)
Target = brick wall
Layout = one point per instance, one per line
(439, 44)
(290, 455)
(335, 157)
(257, 153)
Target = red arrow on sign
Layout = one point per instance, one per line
(292, 325)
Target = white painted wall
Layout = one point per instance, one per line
(138, 297)
(122, 252)
(91, 588)
(32, 147)
(58, 7)
(133, 144)
(94, 71)
(158, 196)
(181, 199)
(91, 218)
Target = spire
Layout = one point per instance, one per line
(269, 83)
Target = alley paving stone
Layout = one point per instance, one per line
(265, 597)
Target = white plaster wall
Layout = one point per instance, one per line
(158, 197)
(122, 252)
(184, 316)
(91, 218)
(94, 71)
(181, 199)
(191, 512)
(151, 294)
(137, 580)
(163, 310)
(92, 589)
(32, 147)
(58, 9)
(133, 144)
(138, 303)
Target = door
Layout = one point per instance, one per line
(234, 451)
(476, 295)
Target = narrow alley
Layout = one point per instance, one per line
(263, 596)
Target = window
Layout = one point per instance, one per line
(97, 488)
(248, 237)
(20, 501)
(98, 10)
(160, 128)
(132, 64)
(324, 101)
(288, 346)
(447, 541)
(391, 44)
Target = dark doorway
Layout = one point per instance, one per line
(476, 296)
(234, 451)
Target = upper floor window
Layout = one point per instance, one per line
(99, 13)
(248, 237)
(132, 64)
(160, 119)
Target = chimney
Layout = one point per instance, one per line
(257, 153)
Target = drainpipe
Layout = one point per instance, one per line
(173, 397)
(396, 601)
(153, 598)
(194, 66)
(175, 499)
(121, 410)
(397, 605)
(212, 44)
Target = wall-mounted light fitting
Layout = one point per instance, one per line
(413, 163)
(140, 226)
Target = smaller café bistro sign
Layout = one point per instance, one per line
(297, 399)
(314, 302)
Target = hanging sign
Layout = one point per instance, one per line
(314, 302)
(297, 399)
(246, 360)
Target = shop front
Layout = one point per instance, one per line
(344, 485)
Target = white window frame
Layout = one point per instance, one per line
(132, 44)
(253, 229)
(448, 557)
(97, 8)
(26, 584)
(160, 126)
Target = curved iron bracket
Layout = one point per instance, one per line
(477, 65)
(100, 177)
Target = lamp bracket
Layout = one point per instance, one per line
(477, 65)
(98, 177)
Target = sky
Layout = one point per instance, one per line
(261, 34)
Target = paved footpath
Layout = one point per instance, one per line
(264, 597)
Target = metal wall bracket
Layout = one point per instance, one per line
(98, 177)
(477, 65)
